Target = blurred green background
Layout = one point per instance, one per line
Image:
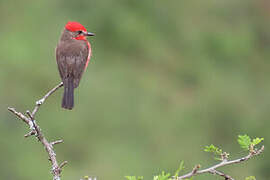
(166, 78)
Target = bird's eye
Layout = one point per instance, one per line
(80, 32)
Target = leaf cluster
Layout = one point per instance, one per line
(246, 143)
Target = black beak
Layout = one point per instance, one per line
(89, 34)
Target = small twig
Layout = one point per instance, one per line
(42, 100)
(19, 115)
(35, 130)
(225, 162)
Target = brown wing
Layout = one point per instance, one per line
(71, 57)
(80, 62)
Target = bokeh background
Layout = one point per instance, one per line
(166, 78)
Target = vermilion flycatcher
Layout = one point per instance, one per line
(73, 53)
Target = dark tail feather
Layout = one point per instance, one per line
(68, 97)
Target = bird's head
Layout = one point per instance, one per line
(77, 30)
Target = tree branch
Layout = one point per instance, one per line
(225, 162)
(35, 130)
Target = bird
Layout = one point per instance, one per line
(73, 53)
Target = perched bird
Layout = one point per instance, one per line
(73, 53)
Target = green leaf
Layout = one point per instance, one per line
(181, 167)
(163, 176)
(213, 149)
(250, 178)
(244, 141)
(257, 141)
(134, 178)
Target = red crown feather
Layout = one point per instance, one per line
(75, 26)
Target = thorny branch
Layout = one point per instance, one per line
(35, 130)
(213, 170)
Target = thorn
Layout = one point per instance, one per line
(259, 151)
(57, 142)
(29, 114)
(31, 133)
(62, 164)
